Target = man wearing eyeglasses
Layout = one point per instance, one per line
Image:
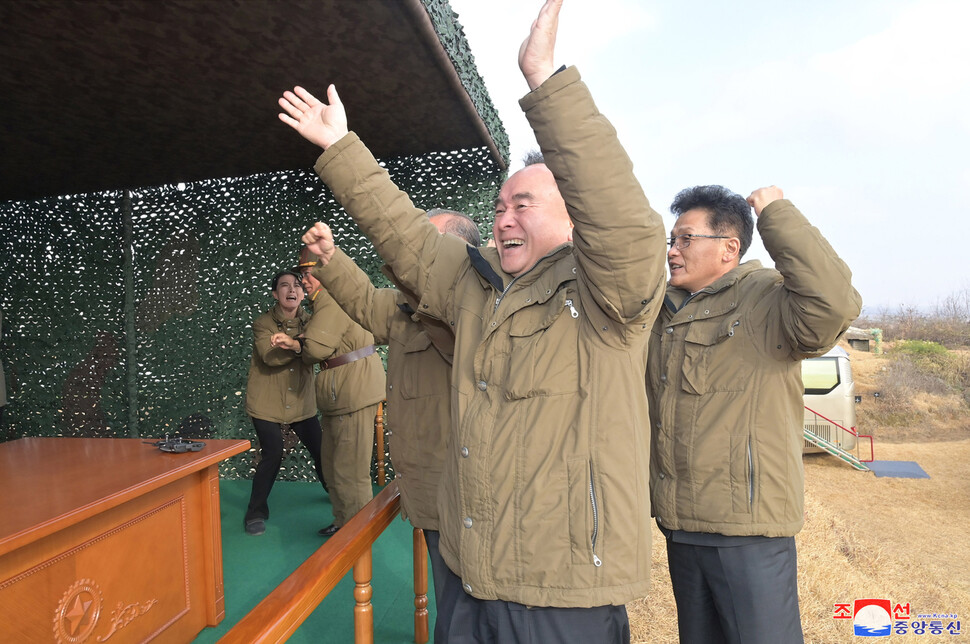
(724, 381)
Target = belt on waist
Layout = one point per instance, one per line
(351, 356)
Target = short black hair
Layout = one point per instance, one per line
(459, 224)
(278, 276)
(727, 212)
(533, 157)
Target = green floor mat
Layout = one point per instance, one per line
(254, 566)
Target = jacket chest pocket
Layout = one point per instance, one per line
(418, 377)
(544, 348)
(714, 356)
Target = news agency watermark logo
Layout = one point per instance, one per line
(882, 618)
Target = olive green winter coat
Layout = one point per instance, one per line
(348, 387)
(418, 415)
(725, 383)
(280, 385)
(544, 498)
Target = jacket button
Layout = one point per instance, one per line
(390, 386)
(663, 378)
(287, 406)
(482, 385)
(468, 588)
(662, 475)
(467, 522)
(670, 329)
(464, 452)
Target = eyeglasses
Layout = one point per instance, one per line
(683, 241)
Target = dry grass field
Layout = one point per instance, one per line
(905, 540)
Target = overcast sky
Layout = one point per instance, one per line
(857, 109)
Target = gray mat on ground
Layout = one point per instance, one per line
(898, 469)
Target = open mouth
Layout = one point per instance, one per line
(509, 243)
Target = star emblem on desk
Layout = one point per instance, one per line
(77, 613)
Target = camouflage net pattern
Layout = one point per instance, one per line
(132, 317)
(452, 38)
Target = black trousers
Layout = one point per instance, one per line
(270, 437)
(439, 569)
(738, 594)
(463, 619)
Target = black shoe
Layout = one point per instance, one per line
(329, 531)
(255, 527)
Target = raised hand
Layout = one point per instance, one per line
(764, 196)
(319, 239)
(316, 121)
(537, 50)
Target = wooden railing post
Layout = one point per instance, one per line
(363, 591)
(379, 431)
(281, 612)
(420, 587)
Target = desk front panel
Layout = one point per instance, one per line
(145, 569)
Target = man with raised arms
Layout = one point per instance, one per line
(544, 504)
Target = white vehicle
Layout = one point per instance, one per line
(830, 400)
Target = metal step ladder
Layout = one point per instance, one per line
(834, 450)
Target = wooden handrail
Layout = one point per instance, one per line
(282, 611)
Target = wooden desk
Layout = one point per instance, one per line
(109, 540)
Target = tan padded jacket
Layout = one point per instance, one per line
(544, 498)
(725, 383)
(348, 387)
(418, 415)
(280, 385)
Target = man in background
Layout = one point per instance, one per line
(419, 356)
(349, 387)
(726, 408)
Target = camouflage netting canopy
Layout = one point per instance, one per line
(126, 309)
(119, 94)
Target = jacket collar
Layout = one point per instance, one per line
(440, 334)
(677, 298)
(280, 318)
(488, 267)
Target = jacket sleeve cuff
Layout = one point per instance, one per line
(334, 150)
(553, 84)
